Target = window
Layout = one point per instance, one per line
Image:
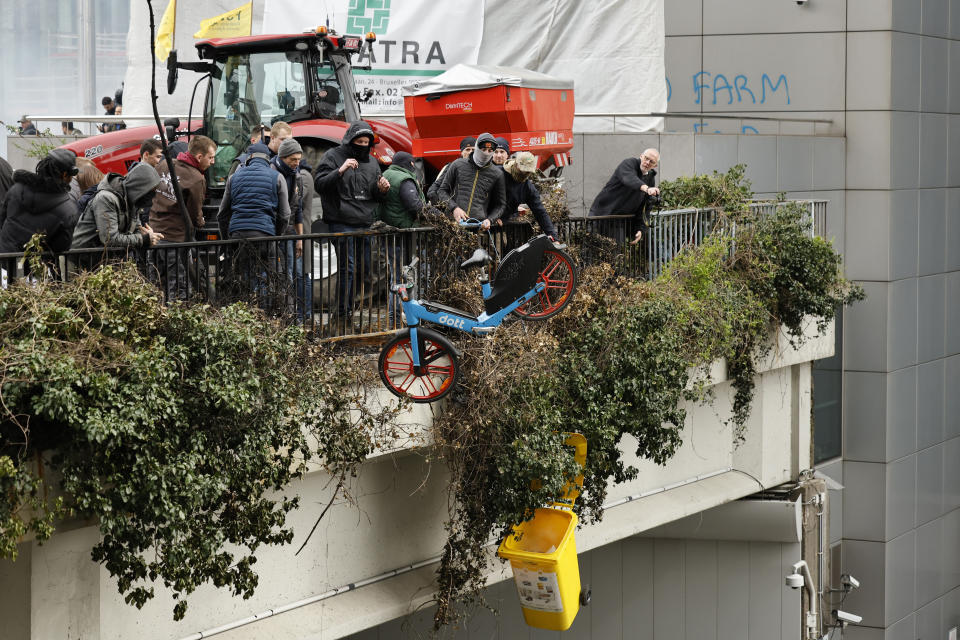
(828, 401)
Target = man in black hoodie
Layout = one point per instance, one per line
(39, 203)
(350, 186)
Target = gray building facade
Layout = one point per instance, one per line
(856, 101)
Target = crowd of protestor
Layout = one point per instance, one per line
(269, 194)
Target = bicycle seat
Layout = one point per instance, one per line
(478, 259)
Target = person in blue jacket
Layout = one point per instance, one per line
(255, 205)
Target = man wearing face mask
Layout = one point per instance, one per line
(350, 187)
(473, 187)
(112, 218)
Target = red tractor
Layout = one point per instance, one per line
(304, 79)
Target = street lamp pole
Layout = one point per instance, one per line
(88, 57)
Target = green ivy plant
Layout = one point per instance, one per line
(729, 191)
(177, 427)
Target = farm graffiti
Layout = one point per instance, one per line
(711, 89)
(720, 86)
(717, 89)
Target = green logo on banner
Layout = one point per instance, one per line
(368, 15)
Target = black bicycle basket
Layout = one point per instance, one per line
(517, 273)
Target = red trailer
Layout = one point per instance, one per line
(532, 110)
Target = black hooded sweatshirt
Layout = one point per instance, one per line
(350, 198)
(37, 204)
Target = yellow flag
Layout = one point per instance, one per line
(237, 22)
(168, 23)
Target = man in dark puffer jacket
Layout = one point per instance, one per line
(349, 184)
(473, 187)
(39, 203)
(255, 204)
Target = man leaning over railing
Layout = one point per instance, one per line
(628, 191)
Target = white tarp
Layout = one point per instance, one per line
(415, 38)
(471, 76)
(613, 50)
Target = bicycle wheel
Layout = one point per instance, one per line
(559, 277)
(439, 367)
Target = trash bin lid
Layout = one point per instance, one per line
(571, 490)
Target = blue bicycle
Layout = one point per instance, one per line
(534, 281)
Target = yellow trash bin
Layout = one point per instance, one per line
(544, 558)
(545, 568)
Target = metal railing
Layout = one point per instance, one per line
(337, 284)
(672, 231)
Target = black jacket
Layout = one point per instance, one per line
(622, 195)
(479, 191)
(350, 198)
(36, 204)
(526, 193)
(85, 198)
(6, 178)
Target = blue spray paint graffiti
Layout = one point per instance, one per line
(708, 86)
(740, 87)
(700, 127)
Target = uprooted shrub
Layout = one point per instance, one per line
(616, 362)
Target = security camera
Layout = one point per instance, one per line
(800, 3)
(846, 618)
(849, 582)
(794, 581)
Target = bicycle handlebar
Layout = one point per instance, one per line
(408, 270)
(409, 275)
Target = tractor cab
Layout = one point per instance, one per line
(259, 80)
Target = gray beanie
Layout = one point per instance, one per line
(289, 147)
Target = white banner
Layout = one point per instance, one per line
(613, 50)
(415, 38)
